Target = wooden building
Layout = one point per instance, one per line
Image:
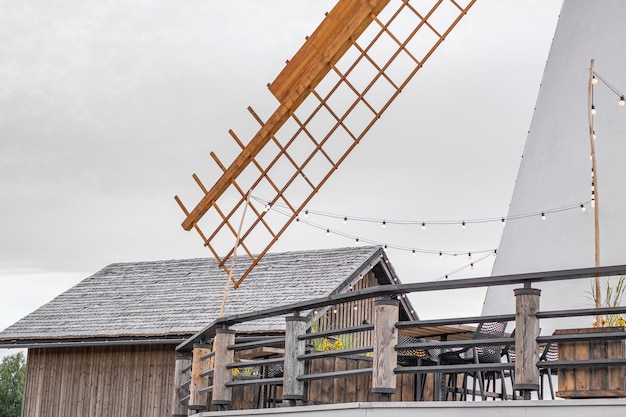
(108, 345)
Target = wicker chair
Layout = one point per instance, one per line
(476, 355)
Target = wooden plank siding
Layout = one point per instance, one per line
(112, 381)
(351, 314)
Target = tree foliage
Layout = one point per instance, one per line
(12, 371)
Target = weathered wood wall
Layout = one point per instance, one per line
(352, 314)
(112, 381)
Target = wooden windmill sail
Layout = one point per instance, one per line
(330, 94)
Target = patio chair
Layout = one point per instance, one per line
(474, 355)
(417, 357)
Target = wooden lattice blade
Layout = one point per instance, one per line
(331, 93)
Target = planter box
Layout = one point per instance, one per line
(604, 382)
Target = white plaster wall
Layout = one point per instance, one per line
(556, 169)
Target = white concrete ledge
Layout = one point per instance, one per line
(546, 408)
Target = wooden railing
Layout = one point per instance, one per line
(226, 371)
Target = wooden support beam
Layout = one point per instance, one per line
(222, 394)
(385, 341)
(179, 409)
(199, 383)
(293, 389)
(527, 376)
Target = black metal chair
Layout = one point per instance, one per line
(417, 357)
(474, 355)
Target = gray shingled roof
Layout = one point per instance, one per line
(180, 297)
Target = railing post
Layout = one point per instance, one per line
(385, 341)
(197, 395)
(222, 395)
(293, 390)
(527, 376)
(182, 363)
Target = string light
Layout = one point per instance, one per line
(384, 224)
(594, 80)
(413, 252)
(385, 248)
(356, 241)
(268, 206)
(463, 225)
(621, 101)
(583, 208)
(297, 221)
(593, 110)
(423, 223)
(543, 216)
(469, 255)
(327, 232)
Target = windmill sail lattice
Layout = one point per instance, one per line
(330, 94)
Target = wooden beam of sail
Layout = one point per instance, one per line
(330, 94)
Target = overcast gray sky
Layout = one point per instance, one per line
(107, 108)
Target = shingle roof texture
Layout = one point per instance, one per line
(180, 297)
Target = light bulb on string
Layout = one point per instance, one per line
(495, 252)
(594, 80)
(543, 216)
(593, 110)
(267, 207)
(385, 248)
(423, 226)
(440, 254)
(306, 213)
(463, 225)
(327, 232)
(356, 241)
(583, 208)
(413, 251)
(345, 220)
(384, 224)
(503, 221)
(469, 255)
(593, 135)
(297, 221)
(472, 265)
(621, 101)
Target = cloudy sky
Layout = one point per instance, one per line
(107, 108)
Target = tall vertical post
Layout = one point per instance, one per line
(385, 341)
(293, 390)
(222, 395)
(197, 393)
(527, 376)
(180, 369)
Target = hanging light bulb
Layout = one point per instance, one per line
(440, 254)
(621, 101)
(503, 221)
(423, 226)
(583, 208)
(495, 252)
(356, 241)
(594, 80)
(543, 216)
(463, 225)
(469, 255)
(413, 252)
(593, 203)
(306, 213)
(297, 221)
(384, 224)
(593, 135)
(327, 232)
(593, 110)
(385, 248)
(345, 220)
(472, 265)
(268, 206)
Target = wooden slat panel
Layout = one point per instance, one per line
(107, 381)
